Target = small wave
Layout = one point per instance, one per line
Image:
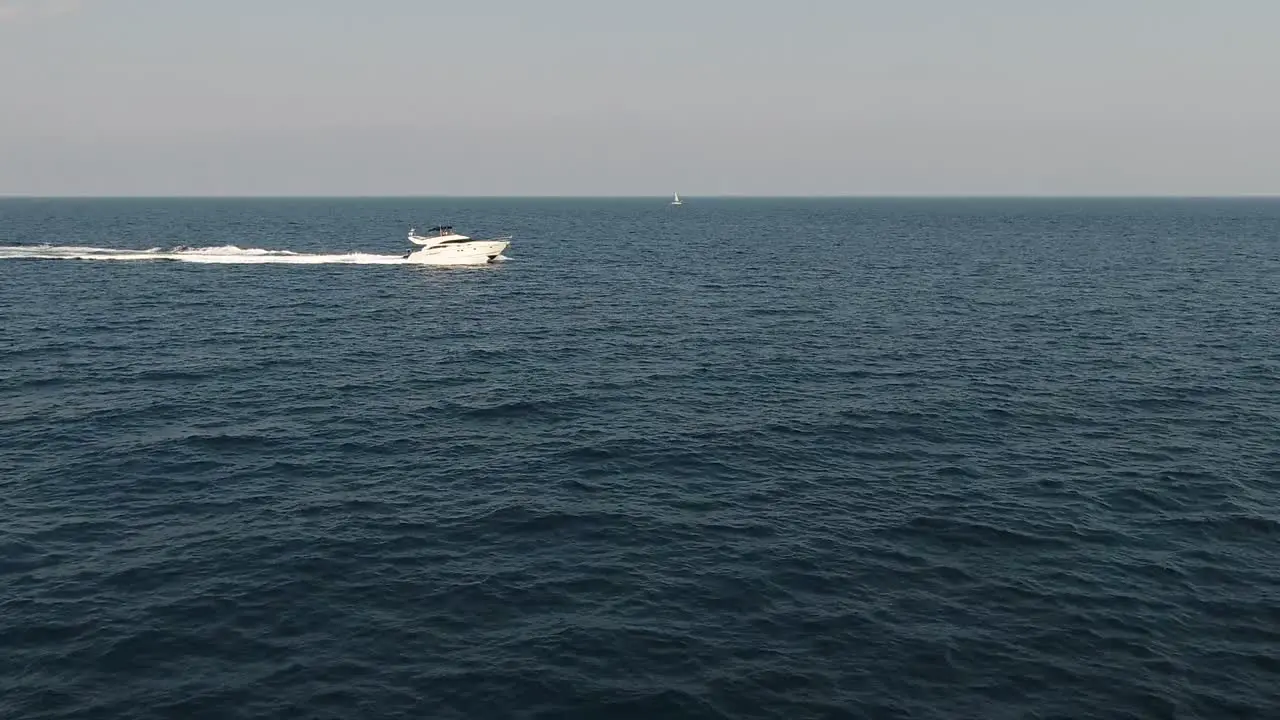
(510, 410)
(961, 532)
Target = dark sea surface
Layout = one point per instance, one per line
(737, 459)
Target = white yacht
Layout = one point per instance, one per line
(676, 200)
(442, 246)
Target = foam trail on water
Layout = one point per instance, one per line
(227, 254)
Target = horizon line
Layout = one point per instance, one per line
(715, 196)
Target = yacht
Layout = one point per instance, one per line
(676, 200)
(442, 246)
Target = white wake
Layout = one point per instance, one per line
(227, 254)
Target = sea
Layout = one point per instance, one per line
(788, 458)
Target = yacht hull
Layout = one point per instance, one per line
(475, 252)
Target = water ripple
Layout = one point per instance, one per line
(937, 459)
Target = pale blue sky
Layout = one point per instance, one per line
(586, 97)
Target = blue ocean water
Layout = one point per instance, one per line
(736, 459)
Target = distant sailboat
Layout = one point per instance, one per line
(676, 201)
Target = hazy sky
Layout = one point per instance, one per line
(592, 97)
